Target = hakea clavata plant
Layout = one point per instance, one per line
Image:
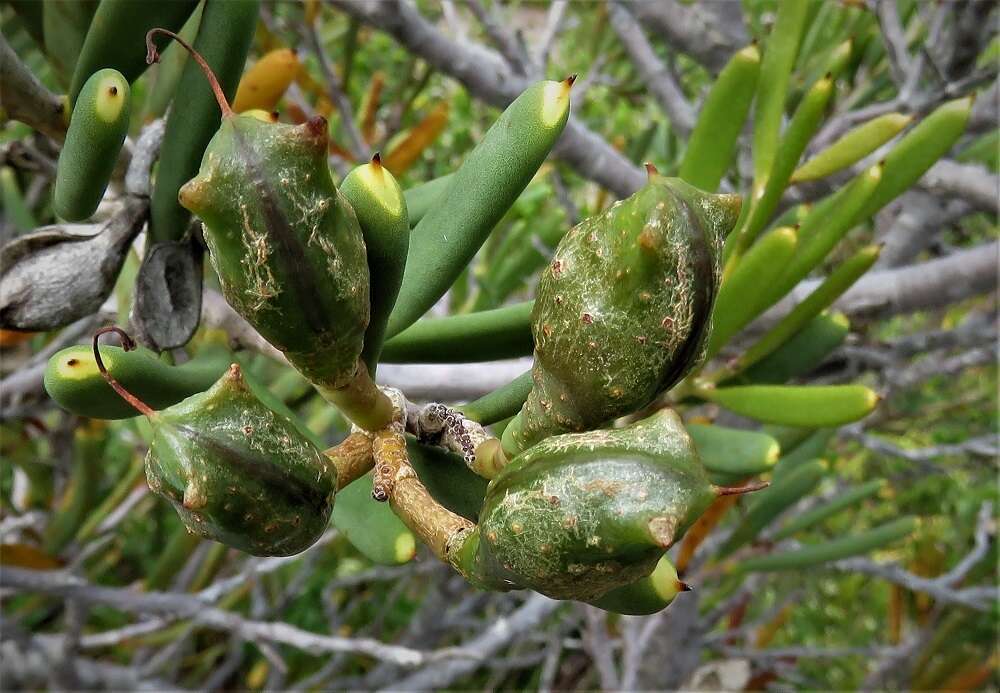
(337, 279)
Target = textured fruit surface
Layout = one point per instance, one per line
(581, 514)
(624, 309)
(240, 474)
(284, 242)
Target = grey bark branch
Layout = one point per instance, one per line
(356, 142)
(921, 218)
(944, 587)
(486, 76)
(502, 632)
(26, 99)
(710, 32)
(188, 607)
(506, 42)
(973, 183)
(658, 78)
(932, 284)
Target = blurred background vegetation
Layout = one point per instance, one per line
(75, 501)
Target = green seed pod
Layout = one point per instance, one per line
(116, 35)
(623, 311)
(287, 248)
(378, 203)
(73, 380)
(96, 132)
(578, 515)
(238, 473)
(649, 595)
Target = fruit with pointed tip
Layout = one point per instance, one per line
(581, 514)
(623, 311)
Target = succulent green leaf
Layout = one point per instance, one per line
(421, 198)
(772, 501)
(224, 36)
(918, 150)
(371, 527)
(801, 354)
(74, 382)
(834, 550)
(800, 130)
(843, 501)
(713, 141)
(650, 594)
(735, 452)
(824, 226)
(117, 37)
(502, 403)
(96, 132)
(852, 147)
(447, 478)
(812, 447)
(772, 85)
(745, 293)
(478, 195)
(480, 336)
(791, 405)
(839, 281)
(381, 211)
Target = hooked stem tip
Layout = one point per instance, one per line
(153, 56)
(128, 344)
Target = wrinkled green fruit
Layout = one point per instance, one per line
(285, 243)
(623, 311)
(240, 474)
(581, 514)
